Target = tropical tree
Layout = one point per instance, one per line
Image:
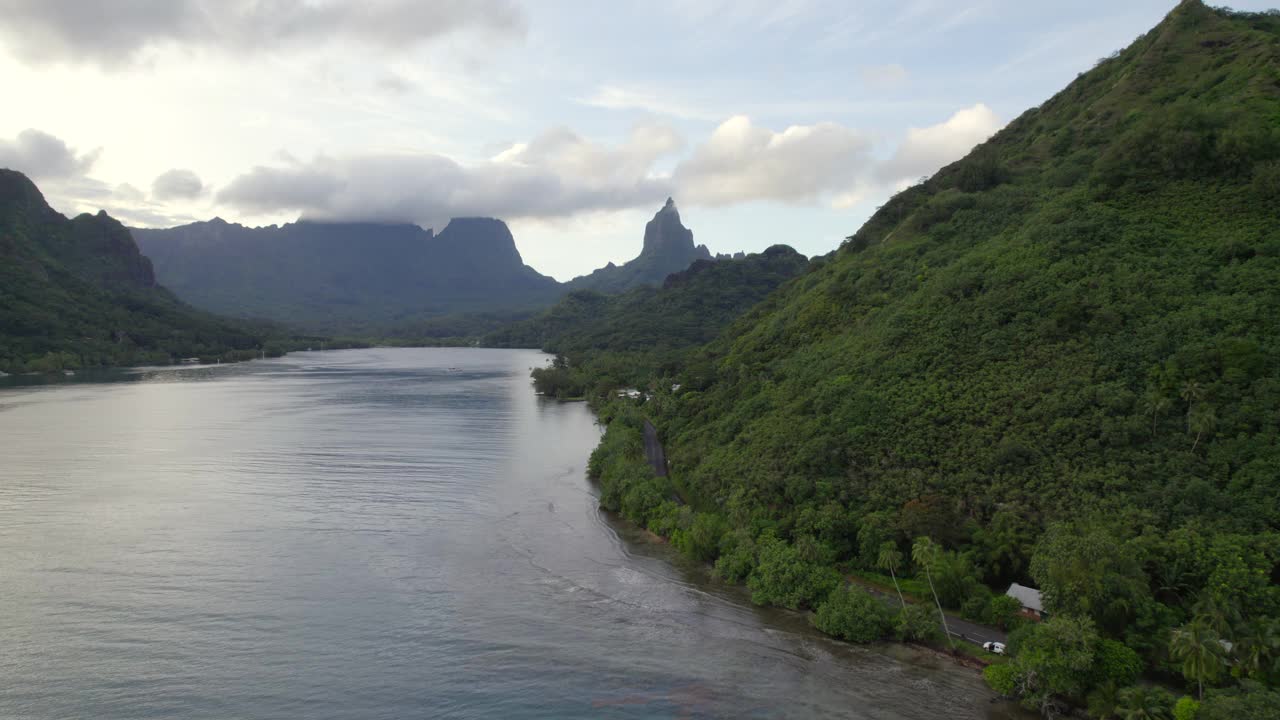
(1144, 702)
(1192, 391)
(1199, 648)
(1257, 653)
(1202, 420)
(1156, 405)
(1220, 615)
(925, 553)
(1004, 544)
(890, 558)
(1104, 701)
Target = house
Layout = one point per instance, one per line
(1032, 605)
(631, 393)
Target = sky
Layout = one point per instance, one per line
(768, 121)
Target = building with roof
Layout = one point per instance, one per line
(1032, 604)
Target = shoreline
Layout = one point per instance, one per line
(957, 657)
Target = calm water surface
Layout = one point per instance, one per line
(375, 534)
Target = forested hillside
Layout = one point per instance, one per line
(77, 293)
(609, 340)
(1055, 362)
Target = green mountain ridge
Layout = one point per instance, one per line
(1057, 359)
(618, 339)
(78, 293)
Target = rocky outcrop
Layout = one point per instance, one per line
(668, 248)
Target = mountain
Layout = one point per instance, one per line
(1058, 359)
(668, 248)
(617, 340)
(78, 293)
(345, 276)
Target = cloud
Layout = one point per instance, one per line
(42, 156)
(560, 174)
(742, 162)
(557, 174)
(926, 150)
(177, 184)
(62, 175)
(115, 33)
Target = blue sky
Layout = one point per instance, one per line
(770, 122)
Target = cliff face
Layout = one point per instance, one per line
(78, 292)
(95, 248)
(345, 276)
(668, 248)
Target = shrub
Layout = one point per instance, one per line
(919, 623)
(1116, 662)
(703, 538)
(853, 614)
(1002, 611)
(781, 577)
(1186, 708)
(737, 556)
(1002, 677)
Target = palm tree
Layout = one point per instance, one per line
(1259, 649)
(1142, 702)
(925, 553)
(1191, 392)
(1104, 701)
(1157, 405)
(890, 559)
(1200, 649)
(1219, 616)
(1201, 421)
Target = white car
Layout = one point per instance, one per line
(994, 647)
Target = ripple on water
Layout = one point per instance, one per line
(369, 534)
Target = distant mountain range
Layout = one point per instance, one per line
(372, 278)
(345, 276)
(77, 292)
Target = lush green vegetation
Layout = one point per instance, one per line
(1057, 362)
(610, 341)
(77, 293)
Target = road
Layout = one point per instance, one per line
(653, 451)
(960, 628)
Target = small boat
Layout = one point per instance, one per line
(68, 373)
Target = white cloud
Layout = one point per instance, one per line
(177, 184)
(926, 150)
(116, 33)
(62, 175)
(557, 174)
(560, 174)
(42, 156)
(742, 162)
